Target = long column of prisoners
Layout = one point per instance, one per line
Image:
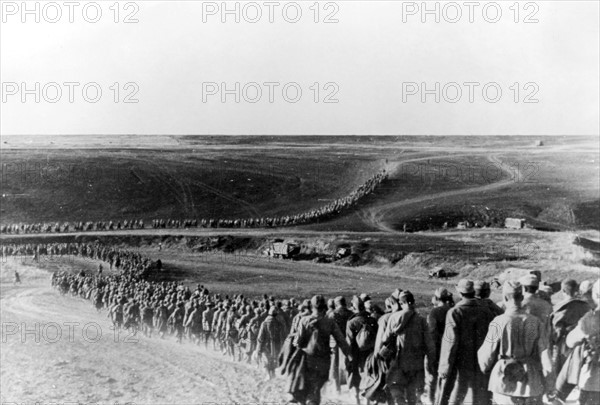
(322, 213)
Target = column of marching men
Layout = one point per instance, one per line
(521, 350)
(323, 213)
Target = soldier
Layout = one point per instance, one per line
(585, 339)
(162, 316)
(436, 322)
(515, 352)
(361, 333)
(458, 373)
(194, 323)
(532, 302)
(341, 314)
(413, 345)
(132, 316)
(176, 320)
(147, 313)
(482, 293)
(270, 340)
(207, 321)
(116, 314)
(17, 278)
(314, 333)
(563, 320)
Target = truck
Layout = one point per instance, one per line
(284, 250)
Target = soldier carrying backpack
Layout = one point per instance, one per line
(361, 333)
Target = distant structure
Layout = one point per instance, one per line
(539, 143)
(514, 223)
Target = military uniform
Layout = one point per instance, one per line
(585, 339)
(458, 371)
(413, 343)
(512, 353)
(314, 333)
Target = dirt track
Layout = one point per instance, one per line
(144, 371)
(87, 367)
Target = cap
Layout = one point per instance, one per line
(465, 286)
(511, 287)
(318, 302)
(390, 302)
(364, 297)
(358, 304)
(406, 297)
(305, 304)
(396, 293)
(442, 293)
(481, 285)
(530, 280)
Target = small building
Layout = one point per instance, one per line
(283, 250)
(514, 223)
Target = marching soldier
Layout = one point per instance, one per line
(314, 333)
(516, 353)
(436, 322)
(563, 320)
(458, 372)
(341, 314)
(270, 340)
(413, 344)
(361, 333)
(585, 340)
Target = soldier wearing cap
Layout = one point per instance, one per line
(482, 292)
(313, 337)
(515, 353)
(357, 322)
(270, 340)
(436, 323)
(341, 314)
(585, 340)
(413, 344)
(466, 326)
(563, 320)
(534, 304)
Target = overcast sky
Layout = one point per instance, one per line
(368, 61)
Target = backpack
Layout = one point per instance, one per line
(365, 338)
(313, 342)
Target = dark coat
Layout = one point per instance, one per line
(465, 331)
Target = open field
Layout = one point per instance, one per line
(552, 186)
(435, 183)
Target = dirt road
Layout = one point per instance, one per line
(78, 357)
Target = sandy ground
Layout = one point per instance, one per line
(58, 349)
